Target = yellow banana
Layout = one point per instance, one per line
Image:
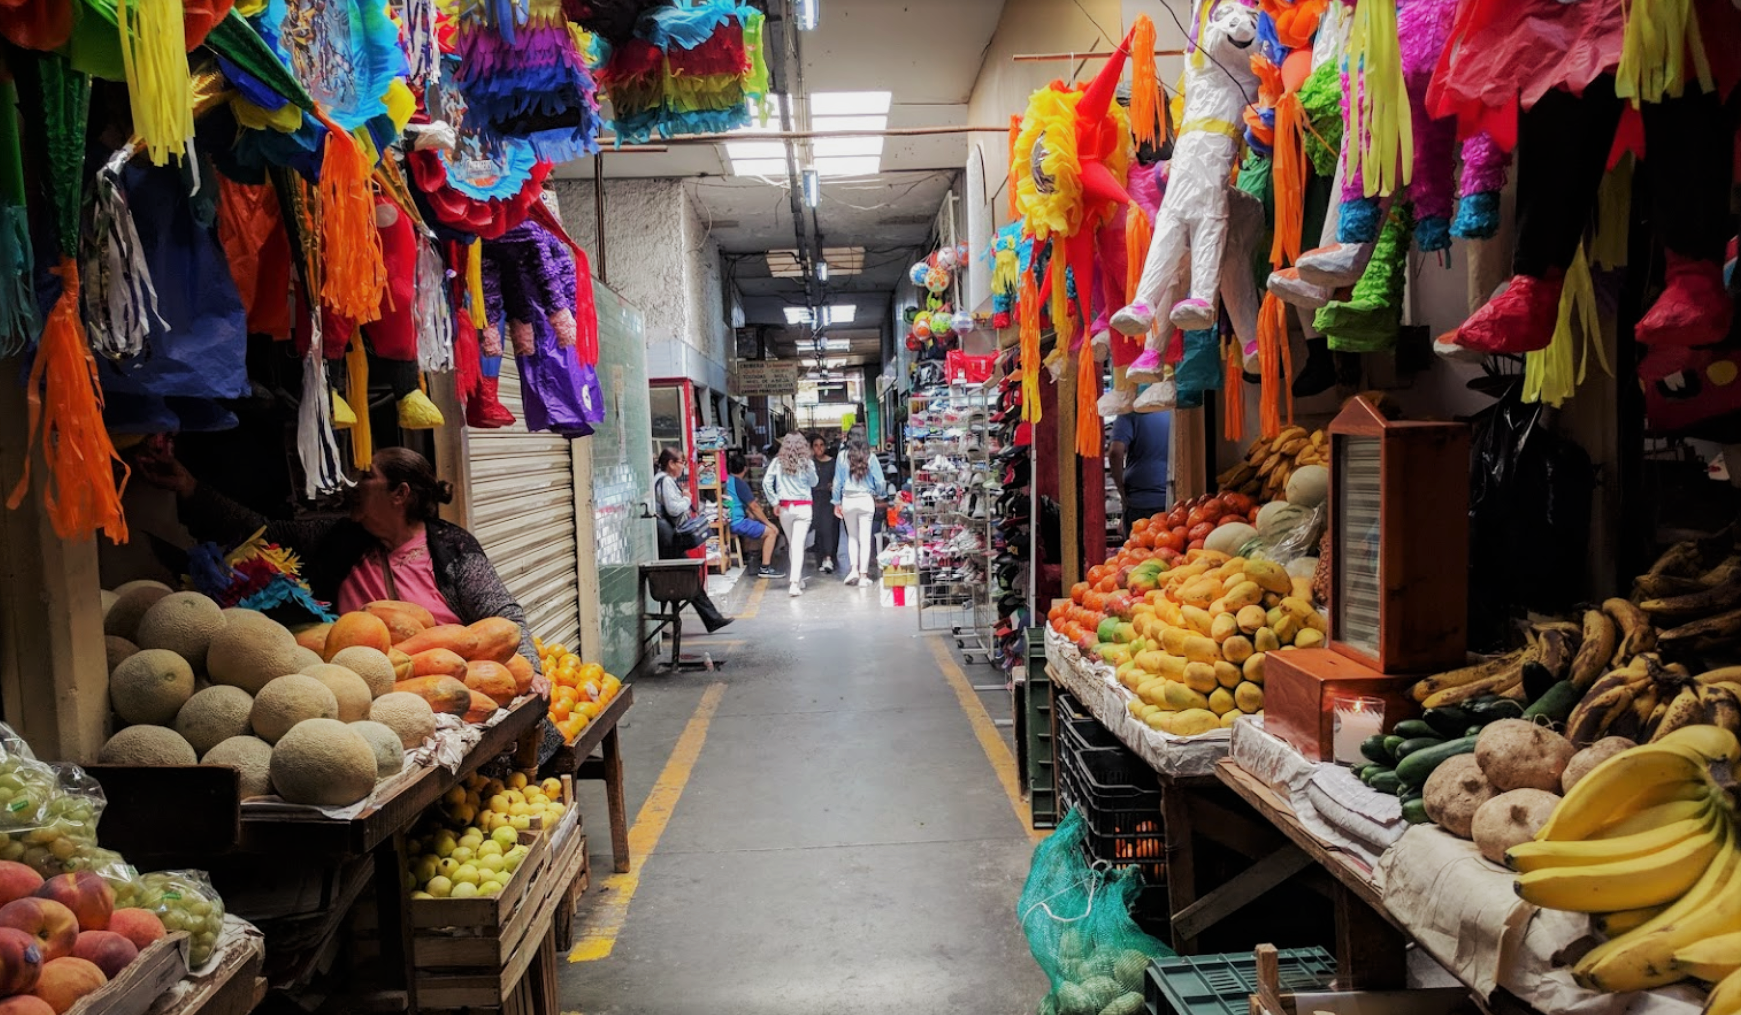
(1622, 786)
(1725, 997)
(1636, 632)
(1644, 958)
(1655, 817)
(1612, 925)
(1721, 704)
(1595, 649)
(1713, 958)
(1684, 709)
(1533, 856)
(1707, 743)
(1649, 880)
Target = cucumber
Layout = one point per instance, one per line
(1373, 748)
(1473, 731)
(1415, 812)
(1449, 721)
(1536, 680)
(1412, 728)
(1409, 793)
(1415, 768)
(1557, 704)
(1373, 772)
(1386, 782)
(1413, 744)
(1391, 743)
(1495, 710)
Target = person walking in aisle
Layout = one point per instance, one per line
(823, 512)
(787, 483)
(858, 485)
(748, 520)
(673, 509)
(1137, 455)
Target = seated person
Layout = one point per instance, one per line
(748, 520)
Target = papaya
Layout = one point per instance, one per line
(456, 638)
(313, 638)
(483, 706)
(438, 662)
(417, 614)
(522, 671)
(490, 678)
(356, 629)
(401, 623)
(444, 694)
(498, 639)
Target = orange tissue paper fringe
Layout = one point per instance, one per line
(1289, 180)
(1145, 84)
(1233, 390)
(357, 393)
(1028, 323)
(1138, 234)
(1272, 330)
(1088, 428)
(354, 270)
(65, 400)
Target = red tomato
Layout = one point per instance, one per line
(1237, 502)
(1176, 517)
(1200, 532)
(1195, 544)
(1173, 540)
(1196, 517)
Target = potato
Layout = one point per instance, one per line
(1511, 818)
(1454, 792)
(1518, 754)
(1591, 756)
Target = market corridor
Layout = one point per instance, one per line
(841, 843)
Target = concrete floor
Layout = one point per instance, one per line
(842, 845)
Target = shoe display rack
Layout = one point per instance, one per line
(954, 489)
(1012, 531)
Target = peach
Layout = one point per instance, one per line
(86, 894)
(106, 950)
(25, 1004)
(54, 926)
(65, 981)
(140, 926)
(357, 628)
(17, 881)
(20, 961)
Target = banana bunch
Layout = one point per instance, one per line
(1648, 839)
(1696, 607)
(1270, 462)
(1646, 700)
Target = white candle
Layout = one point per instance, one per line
(1355, 720)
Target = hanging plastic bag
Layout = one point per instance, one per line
(183, 900)
(1077, 922)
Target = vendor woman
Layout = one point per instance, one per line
(392, 546)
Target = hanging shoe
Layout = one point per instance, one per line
(1146, 368)
(1520, 319)
(1335, 266)
(343, 418)
(1694, 308)
(1102, 343)
(417, 412)
(485, 411)
(1318, 375)
(1134, 320)
(1158, 397)
(1192, 314)
(1295, 291)
(1116, 402)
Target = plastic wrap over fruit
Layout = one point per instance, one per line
(48, 813)
(183, 900)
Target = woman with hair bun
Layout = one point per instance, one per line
(392, 545)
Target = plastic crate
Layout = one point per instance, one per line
(1128, 832)
(1108, 767)
(1222, 984)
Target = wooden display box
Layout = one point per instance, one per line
(157, 968)
(1299, 686)
(482, 912)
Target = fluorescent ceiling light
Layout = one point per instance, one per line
(851, 165)
(849, 103)
(812, 188)
(837, 344)
(839, 313)
(821, 271)
(759, 167)
(840, 261)
(809, 12)
(831, 147)
(797, 315)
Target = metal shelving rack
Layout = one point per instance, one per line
(954, 489)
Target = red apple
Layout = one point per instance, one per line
(20, 961)
(140, 926)
(65, 980)
(25, 1004)
(86, 894)
(54, 926)
(17, 881)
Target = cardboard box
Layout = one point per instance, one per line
(897, 595)
(1299, 686)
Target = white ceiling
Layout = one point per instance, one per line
(928, 54)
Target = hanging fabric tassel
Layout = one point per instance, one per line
(66, 404)
(317, 443)
(357, 393)
(1028, 331)
(1060, 303)
(1088, 428)
(1233, 392)
(1145, 84)
(1613, 217)
(1138, 234)
(353, 274)
(434, 316)
(119, 298)
(1289, 181)
(154, 59)
(1379, 114)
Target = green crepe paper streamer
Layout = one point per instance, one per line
(66, 95)
(95, 46)
(1369, 319)
(1321, 99)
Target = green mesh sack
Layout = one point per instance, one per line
(1077, 921)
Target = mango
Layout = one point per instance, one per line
(1223, 628)
(1200, 677)
(1248, 697)
(1221, 701)
(1236, 649)
(1180, 697)
(1270, 576)
(1253, 669)
(1227, 674)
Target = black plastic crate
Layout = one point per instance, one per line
(1223, 984)
(1108, 767)
(1127, 833)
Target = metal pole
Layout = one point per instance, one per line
(598, 212)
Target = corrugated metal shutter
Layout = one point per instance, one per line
(522, 511)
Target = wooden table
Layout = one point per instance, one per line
(234, 988)
(576, 759)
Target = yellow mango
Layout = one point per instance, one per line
(1265, 640)
(1309, 638)
(1288, 629)
(1248, 697)
(1160, 721)
(1302, 587)
(1242, 595)
(1251, 618)
(1270, 576)
(1229, 717)
(1199, 649)
(1173, 640)
(1300, 608)
(1198, 620)
(1192, 722)
(1200, 677)
(1201, 592)
(1236, 649)
(1135, 708)
(1169, 613)
(1223, 628)
(1221, 701)
(1227, 674)
(1230, 579)
(1179, 697)
(1253, 669)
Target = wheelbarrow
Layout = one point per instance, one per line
(671, 584)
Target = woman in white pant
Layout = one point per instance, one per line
(787, 484)
(858, 482)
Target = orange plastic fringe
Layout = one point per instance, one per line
(1028, 324)
(355, 273)
(66, 401)
(1145, 85)
(1015, 170)
(1289, 180)
(1138, 234)
(1088, 428)
(1272, 332)
(1233, 393)
(357, 393)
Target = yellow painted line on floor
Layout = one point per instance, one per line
(990, 740)
(753, 605)
(598, 935)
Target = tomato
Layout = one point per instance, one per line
(1176, 517)
(1238, 502)
(1078, 591)
(1195, 544)
(1167, 554)
(1200, 532)
(1173, 540)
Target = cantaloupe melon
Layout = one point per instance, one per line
(131, 602)
(350, 690)
(250, 651)
(306, 658)
(357, 630)
(373, 666)
(250, 756)
(118, 649)
(150, 686)
(106, 599)
(183, 623)
(289, 700)
(407, 715)
(389, 755)
(213, 716)
(147, 745)
(323, 762)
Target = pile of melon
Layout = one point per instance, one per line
(316, 716)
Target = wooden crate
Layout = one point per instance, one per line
(483, 915)
(160, 965)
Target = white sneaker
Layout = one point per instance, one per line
(794, 590)
(852, 579)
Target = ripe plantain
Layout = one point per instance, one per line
(1428, 686)
(1589, 721)
(1495, 681)
(1658, 586)
(1600, 636)
(1703, 603)
(1636, 633)
(1684, 709)
(1722, 706)
(1682, 559)
(1720, 627)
